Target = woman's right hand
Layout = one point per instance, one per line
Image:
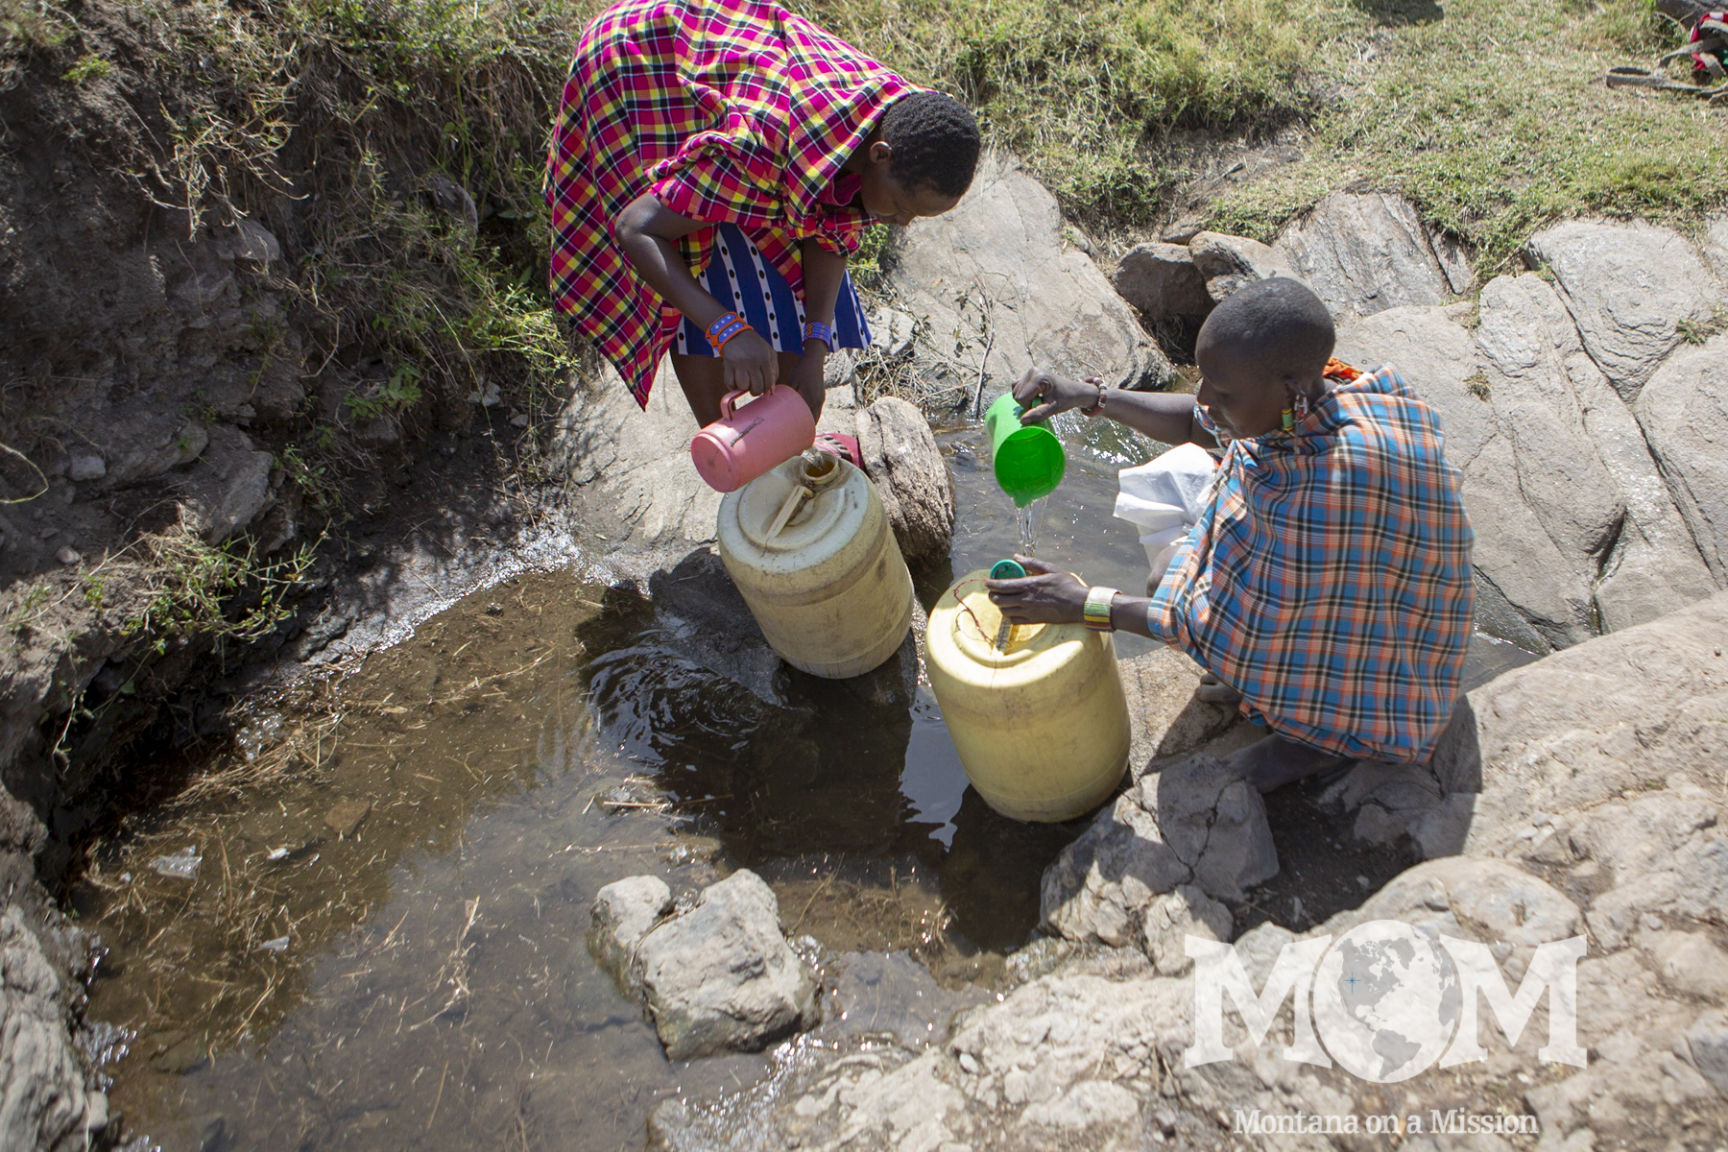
(1045, 595)
(749, 363)
(1042, 393)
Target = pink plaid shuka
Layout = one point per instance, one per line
(728, 111)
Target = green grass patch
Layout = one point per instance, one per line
(1494, 121)
(1090, 93)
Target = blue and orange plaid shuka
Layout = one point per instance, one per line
(728, 111)
(1328, 578)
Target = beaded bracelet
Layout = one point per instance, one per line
(723, 329)
(1096, 612)
(1097, 406)
(816, 330)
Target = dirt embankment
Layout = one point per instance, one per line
(257, 269)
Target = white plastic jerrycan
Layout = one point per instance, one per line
(1036, 710)
(809, 545)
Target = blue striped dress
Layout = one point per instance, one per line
(737, 276)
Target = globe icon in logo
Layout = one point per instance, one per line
(1386, 1001)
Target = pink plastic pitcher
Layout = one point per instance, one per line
(747, 441)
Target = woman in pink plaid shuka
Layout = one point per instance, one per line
(733, 132)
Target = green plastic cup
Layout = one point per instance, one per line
(1029, 460)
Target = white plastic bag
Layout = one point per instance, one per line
(1162, 498)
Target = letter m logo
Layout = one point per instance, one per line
(1218, 972)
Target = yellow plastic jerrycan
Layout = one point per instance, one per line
(809, 545)
(1036, 710)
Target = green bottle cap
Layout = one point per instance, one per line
(1006, 570)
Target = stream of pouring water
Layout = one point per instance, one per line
(1027, 518)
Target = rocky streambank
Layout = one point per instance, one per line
(1578, 796)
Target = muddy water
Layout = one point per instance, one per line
(362, 928)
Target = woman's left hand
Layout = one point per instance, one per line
(807, 377)
(1045, 595)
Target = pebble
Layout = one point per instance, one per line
(87, 467)
(69, 556)
(182, 865)
(969, 1063)
(345, 818)
(180, 1057)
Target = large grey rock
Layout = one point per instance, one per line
(624, 911)
(998, 291)
(1528, 590)
(1167, 718)
(1366, 252)
(1162, 281)
(1191, 823)
(1589, 730)
(1387, 800)
(231, 485)
(902, 458)
(1682, 410)
(1216, 824)
(1228, 262)
(44, 1102)
(1629, 286)
(1473, 898)
(1188, 911)
(156, 448)
(630, 487)
(1582, 464)
(1575, 530)
(1099, 888)
(1665, 857)
(721, 977)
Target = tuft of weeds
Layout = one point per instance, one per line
(87, 68)
(228, 592)
(1700, 331)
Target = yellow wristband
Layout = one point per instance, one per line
(1096, 613)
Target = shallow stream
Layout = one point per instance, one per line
(362, 927)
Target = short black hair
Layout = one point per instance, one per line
(935, 142)
(1276, 319)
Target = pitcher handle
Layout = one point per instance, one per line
(729, 404)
